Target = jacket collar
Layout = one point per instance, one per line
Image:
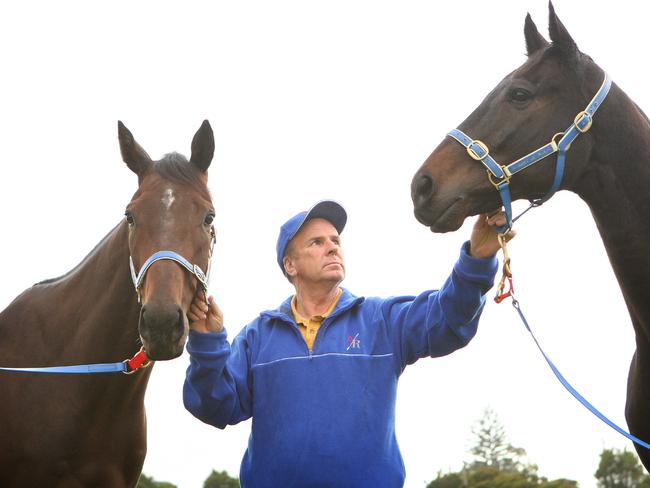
(284, 313)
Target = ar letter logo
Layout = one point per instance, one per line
(354, 342)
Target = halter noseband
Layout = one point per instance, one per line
(500, 175)
(194, 269)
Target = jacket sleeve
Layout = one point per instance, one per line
(217, 388)
(436, 323)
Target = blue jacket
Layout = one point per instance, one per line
(326, 418)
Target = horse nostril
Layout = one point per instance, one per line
(162, 322)
(422, 188)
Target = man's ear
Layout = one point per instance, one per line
(289, 267)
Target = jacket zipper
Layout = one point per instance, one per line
(320, 333)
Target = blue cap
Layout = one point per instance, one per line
(326, 209)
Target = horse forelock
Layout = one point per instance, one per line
(176, 168)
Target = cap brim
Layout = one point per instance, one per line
(329, 210)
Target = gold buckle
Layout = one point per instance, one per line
(553, 143)
(505, 179)
(472, 153)
(579, 116)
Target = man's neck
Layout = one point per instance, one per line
(315, 301)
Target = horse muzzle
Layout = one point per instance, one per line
(163, 330)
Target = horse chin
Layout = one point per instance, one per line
(164, 352)
(449, 219)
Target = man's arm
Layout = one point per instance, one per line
(216, 389)
(438, 322)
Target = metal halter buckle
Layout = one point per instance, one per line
(579, 119)
(198, 272)
(473, 154)
(504, 180)
(555, 143)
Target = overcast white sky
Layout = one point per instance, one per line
(312, 100)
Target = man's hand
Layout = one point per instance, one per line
(205, 316)
(484, 242)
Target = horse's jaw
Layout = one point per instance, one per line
(442, 217)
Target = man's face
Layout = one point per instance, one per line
(314, 255)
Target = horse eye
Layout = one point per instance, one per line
(520, 95)
(208, 219)
(129, 218)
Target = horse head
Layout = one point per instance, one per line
(527, 110)
(170, 235)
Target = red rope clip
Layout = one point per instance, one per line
(502, 296)
(140, 360)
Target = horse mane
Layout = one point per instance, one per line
(175, 167)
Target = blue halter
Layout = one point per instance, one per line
(194, 269)
(500, 175)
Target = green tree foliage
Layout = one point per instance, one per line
(492, 448)
(496, 463)
(220, 480)
(560, 483)
(148, 482)
(488, 477)
(449, 480)
(620, 469)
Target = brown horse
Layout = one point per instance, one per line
(68, 430)
(608, 166)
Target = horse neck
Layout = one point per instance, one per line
(100, 293)
(615, 187)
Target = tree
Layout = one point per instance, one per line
(449, 480)
(496, 463)
(220, 480)
(493, 450)
(620, 469)
(559, 483)
(148, 482)
(488, 477)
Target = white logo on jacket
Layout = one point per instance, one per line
(354, 342)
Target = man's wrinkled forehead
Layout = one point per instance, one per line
(315, 228)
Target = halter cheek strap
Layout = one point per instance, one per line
(500, 175)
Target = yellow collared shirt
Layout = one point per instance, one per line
(309, 327)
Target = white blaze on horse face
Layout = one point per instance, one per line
(167, 217)
(168, 198)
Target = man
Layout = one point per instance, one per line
(318, 375)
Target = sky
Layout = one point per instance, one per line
(311, 100)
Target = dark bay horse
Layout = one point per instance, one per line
(68, 430)
(608, 166)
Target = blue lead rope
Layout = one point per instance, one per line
(128, 366)
(82, 368)
(571, 389)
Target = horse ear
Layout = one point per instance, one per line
(133, 155)
(558, 33)
(534, 40)
(203, 147)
